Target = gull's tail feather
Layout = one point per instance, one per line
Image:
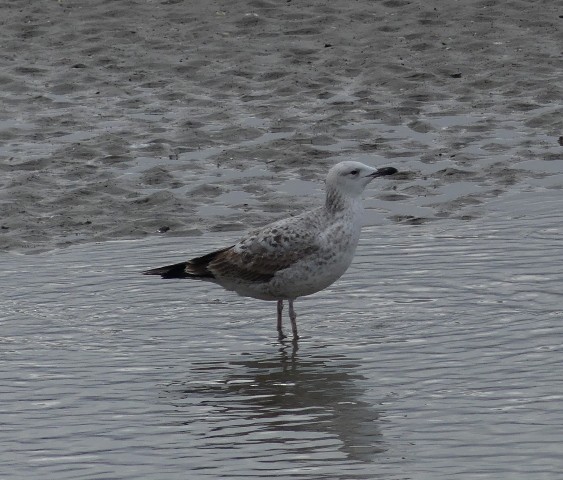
(178, 270)
(194, 268)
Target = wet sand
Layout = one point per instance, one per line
(122, 117)
(439, 350)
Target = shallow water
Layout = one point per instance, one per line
(438, 355)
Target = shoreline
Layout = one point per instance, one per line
(122, 118)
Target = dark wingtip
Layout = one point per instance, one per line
(150, 272)
(194, 268)
(178, 270)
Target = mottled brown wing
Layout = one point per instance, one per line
(257, 264)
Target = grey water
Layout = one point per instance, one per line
(438, 355)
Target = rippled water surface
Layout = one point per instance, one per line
(438, 355)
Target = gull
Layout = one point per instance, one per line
(295, 256)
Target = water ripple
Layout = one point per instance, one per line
(438, 355)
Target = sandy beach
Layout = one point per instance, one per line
(125, 117)
(175, 125)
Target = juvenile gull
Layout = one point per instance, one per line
(293, 257)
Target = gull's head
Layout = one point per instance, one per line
(350, 178)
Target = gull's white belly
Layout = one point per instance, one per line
(310, 276)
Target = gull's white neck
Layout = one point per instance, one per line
(338, 201)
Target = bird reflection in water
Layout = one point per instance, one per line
(313, 403)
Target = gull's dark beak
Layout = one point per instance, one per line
(383, 172)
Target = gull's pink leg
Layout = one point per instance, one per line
(293, 318)
(280, 310)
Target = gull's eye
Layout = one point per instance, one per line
(354, 172)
